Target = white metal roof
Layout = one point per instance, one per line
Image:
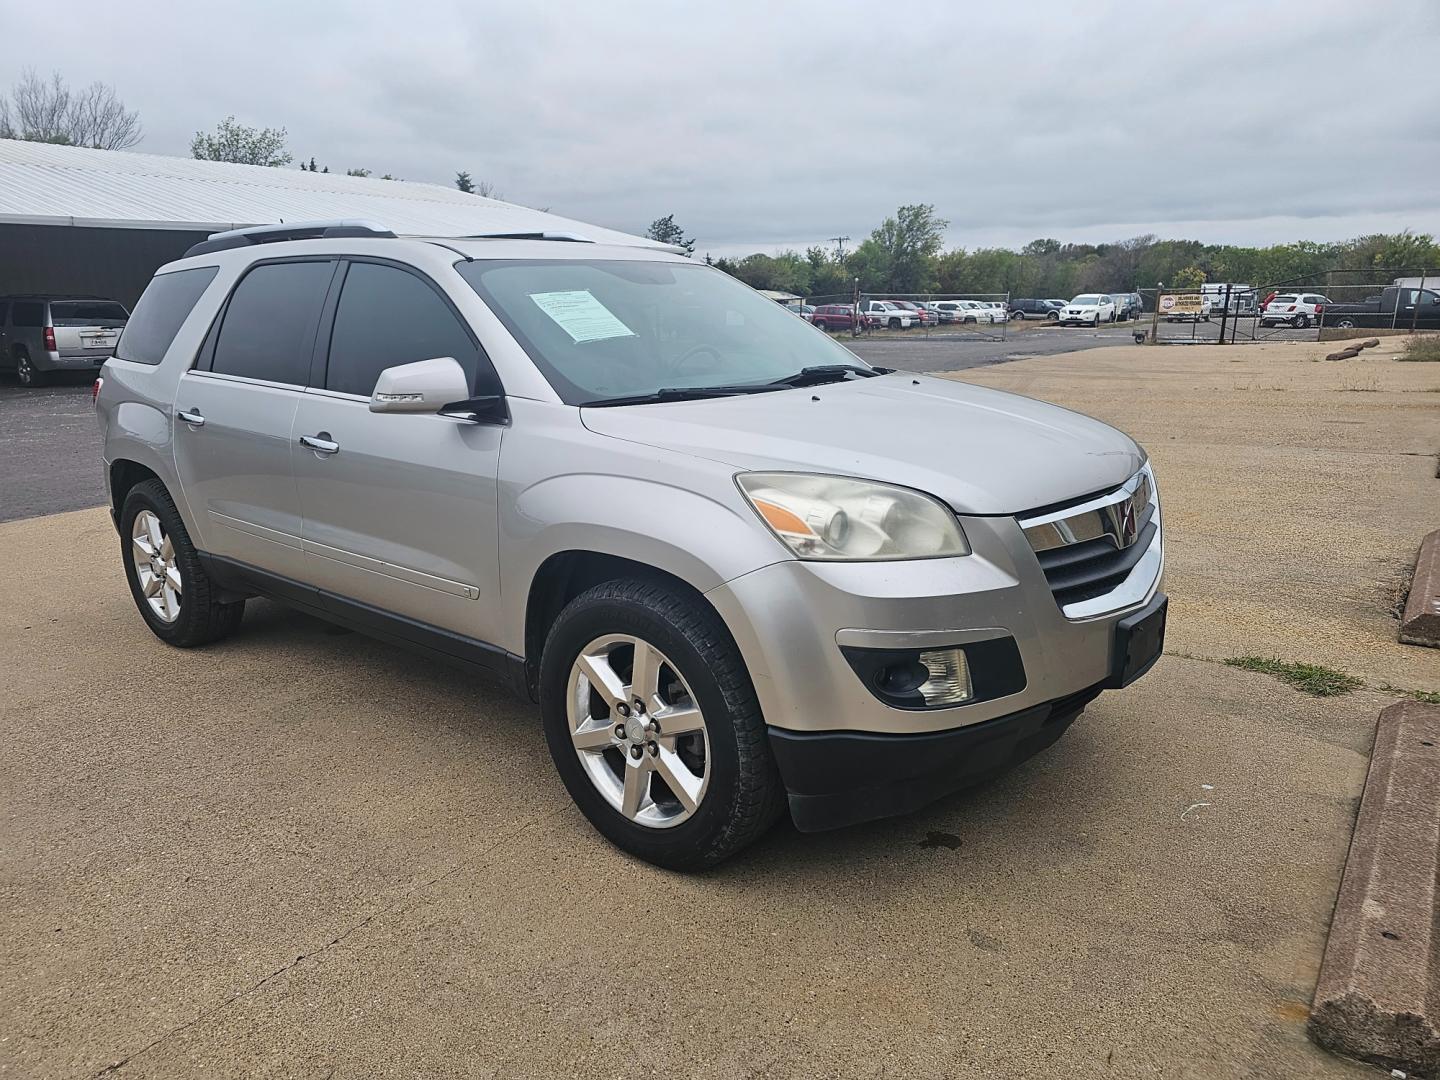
(41, 184)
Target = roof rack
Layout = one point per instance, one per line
(571, 237)
(301, 230)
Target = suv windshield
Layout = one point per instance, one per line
(601, 330)
(1088, 300)
(86, 312)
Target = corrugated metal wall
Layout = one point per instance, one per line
(114, 263)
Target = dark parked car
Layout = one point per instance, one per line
(44, 334)
(834, 317)
(1035, 309)
(1401, 307)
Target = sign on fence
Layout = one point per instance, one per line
(1182, 304)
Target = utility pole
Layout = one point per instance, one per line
(839, 247)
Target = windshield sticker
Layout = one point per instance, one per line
(581, 316)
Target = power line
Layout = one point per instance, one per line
(839, 246)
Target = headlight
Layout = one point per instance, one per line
(831, 517)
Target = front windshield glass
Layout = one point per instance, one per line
(607, 329)
(1087, 300)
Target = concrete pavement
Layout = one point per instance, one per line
(305, 853)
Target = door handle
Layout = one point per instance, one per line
(320, 443)
(193, 418)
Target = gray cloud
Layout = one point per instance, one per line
(767, 124)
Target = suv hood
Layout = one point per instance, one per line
(982, 451)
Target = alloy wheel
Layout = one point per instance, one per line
(25, 371)
(638, 731)
(156, 567)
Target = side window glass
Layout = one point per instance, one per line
(386, 317)
(4, 310)
(268, 330)
(28, 313)
(161, 311)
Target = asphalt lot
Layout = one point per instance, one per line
(50, 448)
(304, 853)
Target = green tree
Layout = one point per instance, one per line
(241, 144)
(899, 256)
(1191, 277)
(464, 183)
(667, 232)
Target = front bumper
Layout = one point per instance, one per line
(790, 619)
(843, 778)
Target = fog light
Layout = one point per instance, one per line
(949, 681)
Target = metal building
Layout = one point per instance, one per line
(98, 222)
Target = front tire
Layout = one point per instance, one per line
(175, 595)
(894, 324)
(1302, 322)
(654, 726)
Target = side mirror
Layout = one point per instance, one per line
(425, 386)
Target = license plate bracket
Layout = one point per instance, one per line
(1139, 641)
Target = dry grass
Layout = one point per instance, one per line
(1422, 349)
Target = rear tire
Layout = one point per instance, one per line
(1301, 322)
(186, 616)
(26, 373)
(1054, 316)
(696, 664)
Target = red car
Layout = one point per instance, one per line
(834, 317)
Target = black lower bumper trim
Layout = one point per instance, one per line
(843, 778)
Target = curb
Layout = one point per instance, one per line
(1420, 622)
(1378, 997)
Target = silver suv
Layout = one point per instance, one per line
(737, 567)
(42, 335)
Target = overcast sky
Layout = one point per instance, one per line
(769, 124)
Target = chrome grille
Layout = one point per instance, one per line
(1103, 553)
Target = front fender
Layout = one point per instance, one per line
(699, 539)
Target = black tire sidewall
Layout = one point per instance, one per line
(683, 846)
(152, 496)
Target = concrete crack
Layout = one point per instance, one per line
(414, 894)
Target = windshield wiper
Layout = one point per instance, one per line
(823, 373)
(682, 393)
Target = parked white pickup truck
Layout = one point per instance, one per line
(884, 313)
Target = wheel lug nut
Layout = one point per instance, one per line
(654, 749)
(635, 752)
(639, 705)
(623, 709)
(619, 731)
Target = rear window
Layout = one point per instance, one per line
(86, 312)
(162, 310)
(1283, 300)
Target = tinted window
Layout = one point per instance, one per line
(269, 325)
(28, 313)
(4, 310)
(163, 307)
(387, 317)
(86, 313)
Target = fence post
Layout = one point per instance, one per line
(1155, 316)
(1224, 313)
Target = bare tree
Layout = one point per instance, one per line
(40, 110)
(98, 118)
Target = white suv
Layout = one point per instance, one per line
(1294, 309)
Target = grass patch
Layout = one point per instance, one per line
(1307, 678)
(1422, 349)
(1430, 697)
